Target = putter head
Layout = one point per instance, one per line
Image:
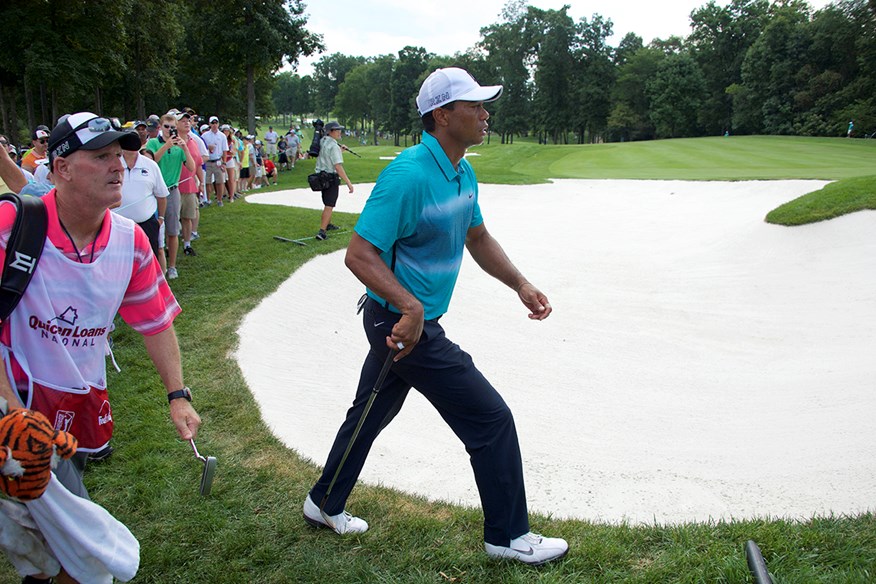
(207, 475)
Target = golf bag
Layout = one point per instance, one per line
(318, 134)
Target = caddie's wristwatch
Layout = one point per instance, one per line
(184, 392)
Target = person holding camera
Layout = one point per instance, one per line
(331, 161)
(171, 155)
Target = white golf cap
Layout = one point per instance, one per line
(453, 84)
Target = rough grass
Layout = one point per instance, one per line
(250, 529)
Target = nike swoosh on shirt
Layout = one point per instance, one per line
(379, 323)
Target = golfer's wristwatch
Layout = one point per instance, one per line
(184, 392)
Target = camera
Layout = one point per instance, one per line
(173, 133)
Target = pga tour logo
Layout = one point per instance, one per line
(63, 420)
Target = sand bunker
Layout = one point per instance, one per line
(699, 362)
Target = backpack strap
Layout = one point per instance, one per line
(23, 250)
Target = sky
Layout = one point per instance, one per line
(369, 28)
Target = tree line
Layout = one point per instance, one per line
(131, 58)
(751, 67)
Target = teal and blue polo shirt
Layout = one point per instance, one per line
(423, 208)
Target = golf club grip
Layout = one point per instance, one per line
(381, 377)
(384, 371)
(756, 563)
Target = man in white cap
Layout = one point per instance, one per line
(407, 249)
(39, 142)
(217, 145)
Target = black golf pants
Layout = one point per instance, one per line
(474, 410)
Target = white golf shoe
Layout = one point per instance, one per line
(341, 523)
(530, 548)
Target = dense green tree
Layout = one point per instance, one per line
(292, 93)
(353, 102)
(265, 34)
(129, 58)
(380, 79)
(407, 75)
(771, 68)
(510, 56)
(329, 74)
(594, 80)
(151, 60)
(553, 102)
(720, 37)
(627, 48)
(629, 118)
(676, 93)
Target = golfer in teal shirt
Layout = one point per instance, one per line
(425, 229)
(407, 249)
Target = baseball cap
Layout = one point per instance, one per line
(443, 86)
(224, 127)
(138, 123)
(333, 126)
(204, 127)
(40, 133)
(213, 119)
(152, 124)
(88, 131)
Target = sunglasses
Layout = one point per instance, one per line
(43, 140)
(168, 127)
(98, 125)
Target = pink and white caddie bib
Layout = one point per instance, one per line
(58, 335)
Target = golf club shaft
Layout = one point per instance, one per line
(756, 563)
(387, 364)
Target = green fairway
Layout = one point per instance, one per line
(720, 158)
(250, 530)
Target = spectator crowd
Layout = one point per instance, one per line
(185, 163)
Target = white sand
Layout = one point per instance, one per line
(699, 362)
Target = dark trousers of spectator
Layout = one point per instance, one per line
(151, 227)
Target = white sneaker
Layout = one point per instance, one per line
(341, 523)
(530, 548)
(171, 274)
